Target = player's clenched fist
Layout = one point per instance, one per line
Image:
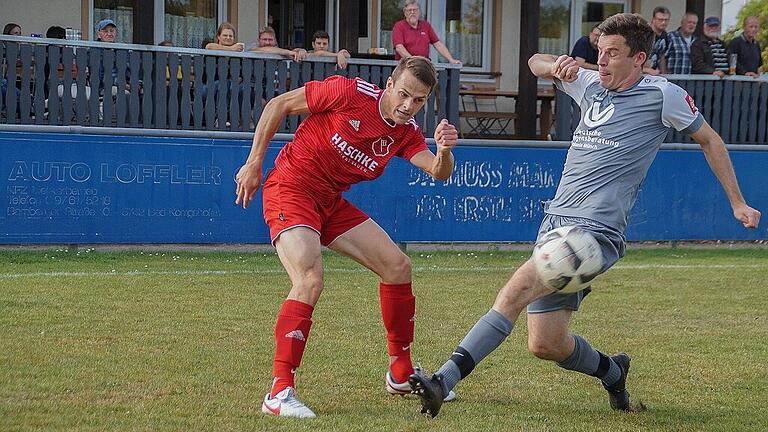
(565, 68)
(446, 135)
(248, 180)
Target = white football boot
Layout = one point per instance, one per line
(401, 389)
(285, 404)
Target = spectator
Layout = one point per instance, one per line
(585, 49)
(657, 63)
(413, 35)
(268, 44)
(225, 39)
(320, 43)
(167, 43)
(708, 54)
(679, 50)
(12, 29)
(56, 32)
(747, 49)
(106, 31)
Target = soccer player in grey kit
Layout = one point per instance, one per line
(625, 117)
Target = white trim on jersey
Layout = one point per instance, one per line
(367, 88)
(384, 119)
(412, 121)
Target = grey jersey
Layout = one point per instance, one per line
(617, 139)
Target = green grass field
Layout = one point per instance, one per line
(94, 341)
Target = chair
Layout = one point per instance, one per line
(482, 115)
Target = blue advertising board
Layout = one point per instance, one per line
(73, 188)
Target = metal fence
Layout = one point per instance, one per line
(62, 82)
(735, 106)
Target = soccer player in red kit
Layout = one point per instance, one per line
(353, 130)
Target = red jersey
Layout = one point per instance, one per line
(415, 40)
(345, 140)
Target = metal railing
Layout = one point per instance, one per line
(95, 84)
(735, 106)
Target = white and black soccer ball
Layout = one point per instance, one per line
(567, 259)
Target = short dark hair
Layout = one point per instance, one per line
(320, 34)
(660, 9)
(56, 32)
(420, 67)
(638, 35)
(165, 43)
(8, 27)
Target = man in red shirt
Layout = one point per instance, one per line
(412, 35)
(353, 130)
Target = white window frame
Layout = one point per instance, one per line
(436, 14)
(159, 18)
(577, 11)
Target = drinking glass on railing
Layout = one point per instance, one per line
(732, 64)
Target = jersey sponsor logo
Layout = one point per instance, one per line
(691, 104)
(355, 125)
(352, 154)
(595, 116)
(381, 146)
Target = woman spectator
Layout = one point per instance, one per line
(225, 39)
(12, 29)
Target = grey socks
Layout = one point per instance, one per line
(587, 360)
(484, 337)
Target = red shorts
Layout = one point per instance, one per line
(287, 206)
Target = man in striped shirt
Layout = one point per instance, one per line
(708, 54)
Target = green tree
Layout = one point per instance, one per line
(758, 8)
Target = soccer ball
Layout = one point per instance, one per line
(567, 259)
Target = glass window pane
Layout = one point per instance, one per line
(555, 26)
(594, 13)
(392, 12)
(464, 35)
(188, 22)
(119, 11)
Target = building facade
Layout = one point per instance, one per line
(484, 34)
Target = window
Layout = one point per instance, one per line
(188, 22)
(554, 27)
(119, 11)
(467, 33)
(391, 12)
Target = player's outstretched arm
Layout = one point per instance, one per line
(547, 66)
(720, 163)
(248, 178)
(440, 165)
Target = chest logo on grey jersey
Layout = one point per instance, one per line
(595, 116)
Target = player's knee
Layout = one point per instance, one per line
(310, 283)
(543, 350)
(397, 269)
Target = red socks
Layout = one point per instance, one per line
(398, 309)
(291, 333)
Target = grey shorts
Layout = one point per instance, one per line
(612, 243)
